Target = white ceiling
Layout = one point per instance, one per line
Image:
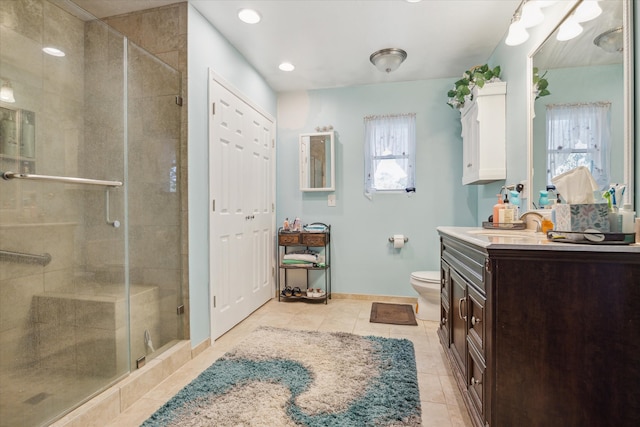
(330, 41)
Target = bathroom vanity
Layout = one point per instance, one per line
(541, 333)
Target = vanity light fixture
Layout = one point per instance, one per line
(517, 32)
(6, 92)
(569, 29)
(249, 16)
(286, 66)
(53, 51)
(531, 14)
(587, 10)
(388, 60)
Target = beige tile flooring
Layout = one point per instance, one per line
(442, 404)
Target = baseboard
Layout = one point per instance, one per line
(200, 347)
(378, 298)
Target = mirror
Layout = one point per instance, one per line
(317, 159)
(579, 72)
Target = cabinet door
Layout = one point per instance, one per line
(470, 145)
(458, 320)
(445, 302)
(475, 312)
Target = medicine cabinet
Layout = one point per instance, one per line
(317, 162)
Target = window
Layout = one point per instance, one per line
(390, 153)
(579, 135)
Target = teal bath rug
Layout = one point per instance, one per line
(279, 377)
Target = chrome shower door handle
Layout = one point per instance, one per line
(115, 223)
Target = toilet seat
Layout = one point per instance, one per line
(426, 277)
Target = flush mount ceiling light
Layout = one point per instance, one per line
(587, 10)
(53, 51)
(610, 41)
(286, 66)
(388, 60)
(249, 16)
(6, 93)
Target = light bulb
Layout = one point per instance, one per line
(6, 93)
(569, 29)
(587, 10)
(531, 14)
(517, 34)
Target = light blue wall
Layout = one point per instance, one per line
(208, 49)
(363, 260)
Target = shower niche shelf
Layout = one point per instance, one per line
(17, 140)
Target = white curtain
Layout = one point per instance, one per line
(389, 153)
(579, 135)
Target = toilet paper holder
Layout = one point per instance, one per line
(391, 239)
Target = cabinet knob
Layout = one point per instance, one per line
(487, 265)
(475, 381)
(475, 320)
(444, 321)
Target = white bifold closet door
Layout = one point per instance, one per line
(242, 218)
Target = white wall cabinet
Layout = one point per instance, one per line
(484, 135)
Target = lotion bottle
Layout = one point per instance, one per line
(496, 211)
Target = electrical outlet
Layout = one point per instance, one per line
(331, 200)
(525, 189)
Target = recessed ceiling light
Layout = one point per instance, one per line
(286, 66)
(249, 16)
(53, 51)
(414, 1)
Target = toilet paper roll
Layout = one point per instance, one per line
(398, 241)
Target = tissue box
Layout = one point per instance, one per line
(579, 217)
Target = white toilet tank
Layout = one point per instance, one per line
(427, 285)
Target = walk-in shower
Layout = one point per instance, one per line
(90, 263)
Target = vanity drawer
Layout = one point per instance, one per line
(289, 239)
(315, 239)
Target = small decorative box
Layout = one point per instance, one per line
(579, 217)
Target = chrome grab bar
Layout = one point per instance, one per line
(25, 258)
(64, 179)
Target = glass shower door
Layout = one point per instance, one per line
(64, 306)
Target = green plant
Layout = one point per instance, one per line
(476, 76)
(540, 84)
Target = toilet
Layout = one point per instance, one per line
(427, 285)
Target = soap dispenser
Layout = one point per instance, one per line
(506, 215)
(543, 201)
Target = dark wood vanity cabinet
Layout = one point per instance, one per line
(543, 337)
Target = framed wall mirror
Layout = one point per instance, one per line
(317, 162)
(590, 80)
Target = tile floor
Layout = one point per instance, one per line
(442, 404)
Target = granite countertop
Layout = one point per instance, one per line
(526, 240)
